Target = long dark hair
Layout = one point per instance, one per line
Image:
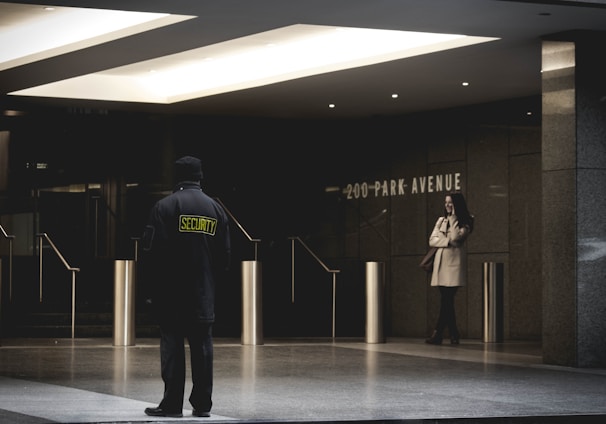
(460, 206)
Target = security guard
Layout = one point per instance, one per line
(186, 245)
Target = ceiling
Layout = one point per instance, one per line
(498, 70)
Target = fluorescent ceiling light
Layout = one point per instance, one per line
(25, 30)
(283, 54)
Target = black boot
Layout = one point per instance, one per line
(434, 339)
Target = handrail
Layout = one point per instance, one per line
(363, 217)
(333, 271)
(73, 270)
(253, 240)
(10, 239)
(101, 201)
(371, 225)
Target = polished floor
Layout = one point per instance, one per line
(301, 380)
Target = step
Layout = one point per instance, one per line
(59, 324)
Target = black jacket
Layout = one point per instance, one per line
(186, 246)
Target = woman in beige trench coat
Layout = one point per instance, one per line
(450, 262)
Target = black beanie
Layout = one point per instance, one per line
(188, 168)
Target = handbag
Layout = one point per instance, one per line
(427, 261)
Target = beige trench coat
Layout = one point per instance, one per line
(450, 262)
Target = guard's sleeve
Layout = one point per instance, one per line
(148, 237)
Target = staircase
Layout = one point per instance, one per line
(24, 315)
(59, 325)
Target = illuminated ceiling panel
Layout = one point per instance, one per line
(283, 54)
(30, 33)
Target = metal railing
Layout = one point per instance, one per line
(41, 238)
(332, 271)
(233, 218)
(10, 239)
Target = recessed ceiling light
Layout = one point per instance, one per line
(25, 29)
(465, 84)
(394, 96)
(11, 112)
(299, 51)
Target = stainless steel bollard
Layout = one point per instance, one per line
(375, 294)
(124, 303)
(252, 303)
(493, 302)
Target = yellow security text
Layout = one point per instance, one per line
(197, 224)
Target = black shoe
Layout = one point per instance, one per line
(159, 412)
(197, 413)
(454, 341)
(434, 339)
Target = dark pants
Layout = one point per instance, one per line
(447, 317)
(172, 359)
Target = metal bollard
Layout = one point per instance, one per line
(124, 303)
(252, 303)
(493, 302)
(375, 293)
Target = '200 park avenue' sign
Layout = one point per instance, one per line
(400, 187)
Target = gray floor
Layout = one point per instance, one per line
(301, 380)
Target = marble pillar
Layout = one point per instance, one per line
(573, 200)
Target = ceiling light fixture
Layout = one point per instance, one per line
(12, 112)
(297, 51)
(24, 30)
